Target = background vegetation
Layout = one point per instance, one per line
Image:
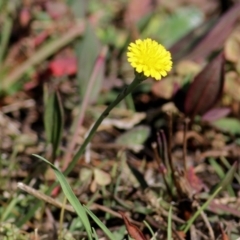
(164, 164)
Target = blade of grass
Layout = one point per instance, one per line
(218, 169)
(150, 230)
(53, 119)
(169, 228)
(9, 208)
(5, 35)
(62, 218)
(223, 184)
(71, 197)
(100, 224)
(95, 234)
(194, 217)
(228, 166)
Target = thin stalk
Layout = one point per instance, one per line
(186, 121)
(162, 168)
(169, 146)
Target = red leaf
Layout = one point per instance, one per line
(63, 66)
(206, 88)
(133, 231)
(195, 182)
(39, 39)
(24, 17)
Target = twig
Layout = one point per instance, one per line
(186, 122)
(205, 219)
(46, 198)
(162, 168)
(164, 146)
(169, 147)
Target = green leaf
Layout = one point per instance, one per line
(228, 177)
(230, 125)
(53, 119)
(135, 136)
(169, 229)
(88, 50)
(71, 197)
(220, 172)
(167, 29)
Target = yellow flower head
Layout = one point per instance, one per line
(150, 58)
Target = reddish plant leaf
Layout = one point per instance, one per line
(133, 230)
(63, 66)
(24, 17)
(215, 39)
(40, 38)
(137, 10)
(56, 9)
(195, 182)
(224, 235)
(206, 88)
(215, 114)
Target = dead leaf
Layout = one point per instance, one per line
(126, 122)
(102, 178)
(232, 48)
(232, 86)
(164, 88)
(133, 230)
(186, 67)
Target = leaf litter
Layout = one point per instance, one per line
(127, 179)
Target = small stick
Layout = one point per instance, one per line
(169, 146)
(163, 149)
(186, 122)
(44, 197)
(205, 219)
(162, 168)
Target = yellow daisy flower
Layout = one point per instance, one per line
(150, 58)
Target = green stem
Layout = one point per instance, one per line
(119, 98)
